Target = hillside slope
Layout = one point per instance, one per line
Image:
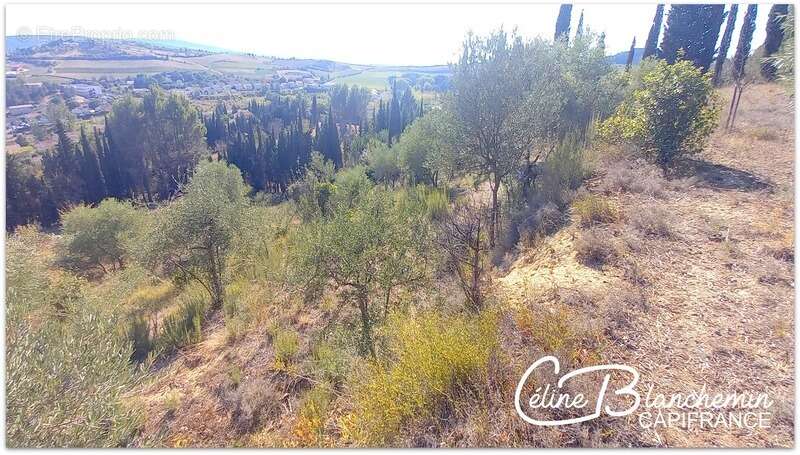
(700, 290)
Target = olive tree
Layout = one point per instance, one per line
(67, 361)
(505, 96)
(95, 238)
(365, 249)
(191, 237)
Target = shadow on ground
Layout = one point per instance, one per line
(718, 176)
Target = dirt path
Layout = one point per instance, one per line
(720, 291)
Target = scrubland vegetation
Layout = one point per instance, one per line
(387, 293)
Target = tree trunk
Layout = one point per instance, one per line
(216, 279)
(386, 303)
(475, 285)
(493, 222)
(366, 323)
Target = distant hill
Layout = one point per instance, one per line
(621, 58)
(17, 43)
(180, 44)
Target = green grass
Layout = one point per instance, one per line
(368, 79)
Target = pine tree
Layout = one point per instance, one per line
(745, 40)
(725, 44)
(651, 45)
(774, 39)
(562, 22)
(629, 62)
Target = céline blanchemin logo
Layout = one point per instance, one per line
(693, 409)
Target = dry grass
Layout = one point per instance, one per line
(596, 247)
(712, 302)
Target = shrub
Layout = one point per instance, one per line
(286, 343)
(595, 247)
(141, 338)
(192, 237)
(309, 430)
(183, 326)
(434, 360)
(644, 180)
(95, 238)
(329, 363)
(253, 403)
(592, 209)
(67, 361)
(563, 170)
(653, 220)
(671, 111)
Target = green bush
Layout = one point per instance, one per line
(95, 238)
(671, 111)
(329, 362)
(564, 170)
(67, 361)
(592, 209)
(433, 359)
(183, 326)
(286, 343)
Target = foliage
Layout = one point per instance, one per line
(564, 170)
(463, 238)
(66, 359)
(671, 111)
(592, 209)
(286, 343)
(311, 196)
(775, 32)
(651, 46)
(745, 41)
(433, 361)
(190, 239)
(98, 237)
(383, 163)
(310, 427)
(783, 60)
(505, 95)
(421, 149)
(329, 362)
(183, 325)
(370, 244)
(691, 34)
(725, 44)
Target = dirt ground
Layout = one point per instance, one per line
(715, 307)
(718, 291)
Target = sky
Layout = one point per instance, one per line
(382, 34)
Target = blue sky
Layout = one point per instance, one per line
(388, 33)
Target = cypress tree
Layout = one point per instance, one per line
(774, 38)
(314, 112)
(92, 175)
(691, 34)
(725, 44)
(651, 45)
(630, 55)
(745, 39)
(579, 29)
(562, 22)
(395, 116)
